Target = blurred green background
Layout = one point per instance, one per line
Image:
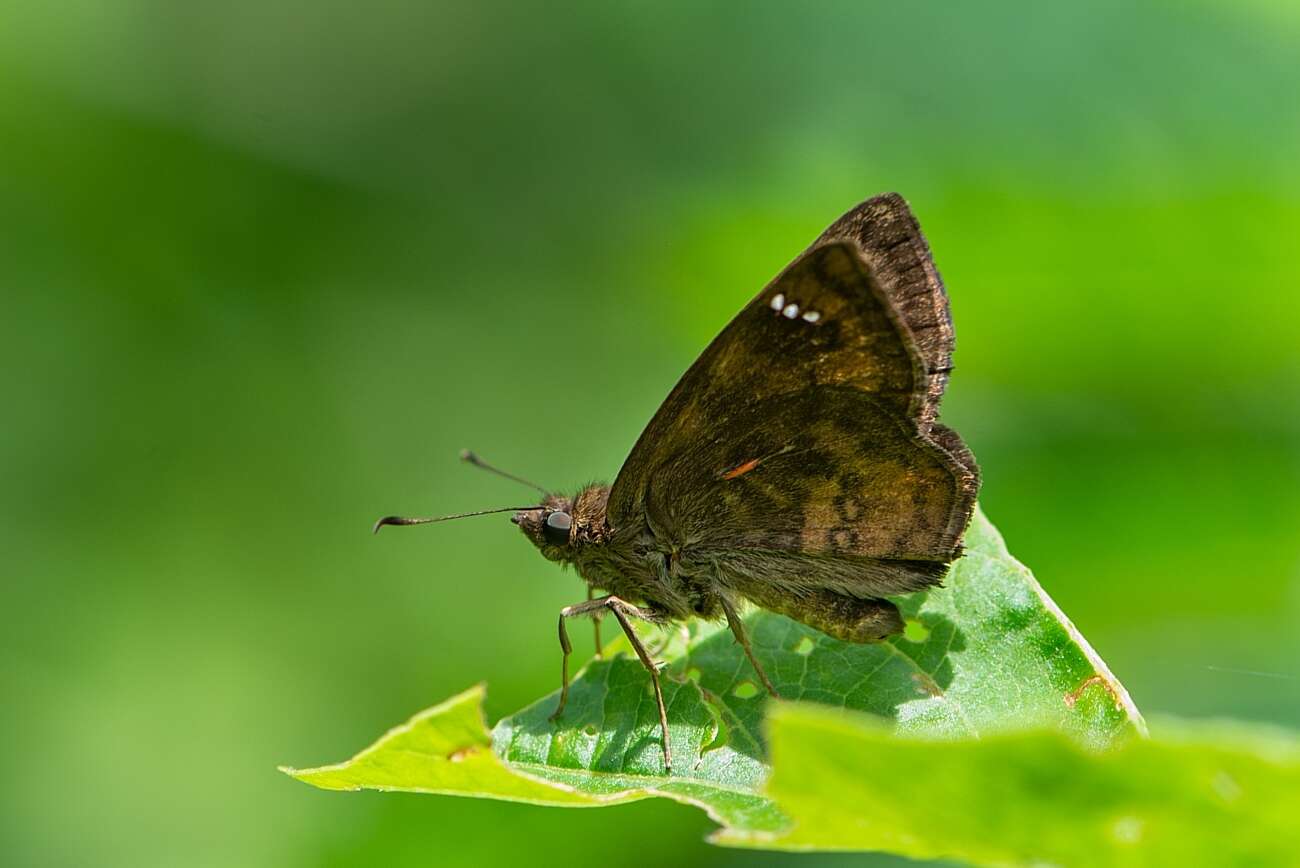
(267, 267)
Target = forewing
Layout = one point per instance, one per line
(890, 238)
(820, 322)
(806, 427)
(797, 430)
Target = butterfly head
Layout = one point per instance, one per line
(549, 526)
(559, 526)
(563, 525)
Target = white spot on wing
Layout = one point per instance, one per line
(791, 311)
(811, 316)
(778, 301)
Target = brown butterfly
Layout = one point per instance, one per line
(798, 464)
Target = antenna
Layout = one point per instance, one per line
(471, 458)
(401, 521)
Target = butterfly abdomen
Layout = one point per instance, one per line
(849, 619)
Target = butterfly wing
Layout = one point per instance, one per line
(827, 469)
(890, 238)
(805, 428)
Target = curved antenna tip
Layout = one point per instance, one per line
(403, 521)
(398, 520)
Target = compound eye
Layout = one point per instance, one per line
(557, 527)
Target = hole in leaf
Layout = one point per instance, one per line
(718, 725)
(745, 689)
(693, 674)
(804, 646)
(915, 631)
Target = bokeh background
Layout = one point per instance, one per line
(266, 267)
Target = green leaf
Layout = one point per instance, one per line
(1208, 795)
(444, 749)
(447, 749)
(987, 653)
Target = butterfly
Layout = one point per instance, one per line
(798, 464)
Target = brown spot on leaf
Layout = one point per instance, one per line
(927, 684)
(463, 753)
(1072, 698)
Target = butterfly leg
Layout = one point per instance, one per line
(595, 624)
(566, 647)
(621, 612)
(738, 630)
(618, 607)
